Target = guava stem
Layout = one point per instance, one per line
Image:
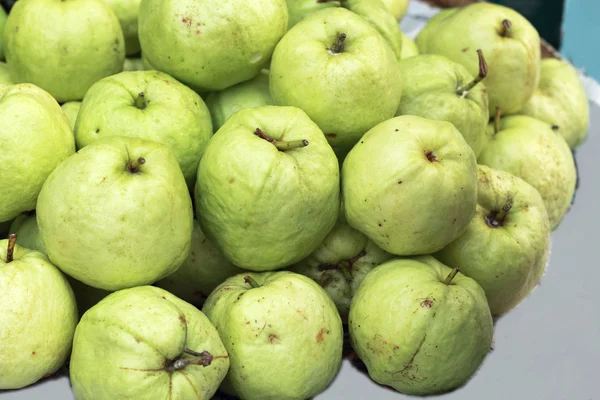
(134, 165)
(281, 145)
(451, 276)
(497, 120)
(506, 27)
(501, 215)
(338, 46)
(12, 240)
(345, 268)
(483, 70)
(251, 281)
(140, 102)
(204, 359)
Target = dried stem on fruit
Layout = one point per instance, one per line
(483, 70)
(12, 240)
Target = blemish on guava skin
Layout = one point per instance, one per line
(231, 180)
(273, 338)
(321, 335)
(465, 50)
(555, 127)
(97, 130)
(332, 135)
(399, 182)
(302, 314)
(182, 319)
(431, 156)
(33, 353)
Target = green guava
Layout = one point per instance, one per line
(250, 94)
(127, 12)
(35, 137)
(409, 47)
(420, 327)
(38, 315)
(212, 44)
(71, 110)
(117, 214)
(5, 78)
(506, 246)
(533, 151)
(300, 9)
(147, 105)
(203, 270)
(267, 191)
(65, 62)
(398, 8)
(2, 23)
(144, 343)
(410, 185)
(282, 332)
(338, 69)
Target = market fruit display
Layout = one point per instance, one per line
(223, 199)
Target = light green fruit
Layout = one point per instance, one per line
(283, 334)
(148, 105)
(506, 246)
(67, 61)
(38, 315)
(250, 94)
(71, 110)
(341, 262)
(380, 18)
(414, 332)
(512, 53)
(35, 137)
(430, 28)
(138, 344)
(345, 86)
(212, 44)
(560, 100)
(127, 12)
(409, 47)
(300, 9)
(398, 8)
(203, 270)
(2, 23)
(267, 205)
(530, 149)
(117, 214)
(134, 64)
(395, 178)
(5, 78)
(437, 88)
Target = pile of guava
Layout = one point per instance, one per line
(205, 197)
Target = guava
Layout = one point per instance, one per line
(5, 78)
(127, 12)
(300, 9)
(71, 110)
(409, 47)
(2, 23)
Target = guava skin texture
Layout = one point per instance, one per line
(431, 90)
(561, 101)
(127, 12)
(398, 8)
(2, 23)
(300, 9)
(148, 105)
(410, 185)
(71, 110)
(345, 93)
(35, 137)
(524, 147)
(284, 338)
(112, 227)
(133, 345)
(213, 44)
(34, 347)
(266, 208)
(5, 78)
(250, 94)
(506, 252)
(414, 332)
(203, 270)
(340, 264)
(512, 54)
(409, 47)
(63, 46)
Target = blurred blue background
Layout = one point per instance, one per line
(581, 31)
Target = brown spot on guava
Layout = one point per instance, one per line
(182, 319)
(431, 156)
(273, 338)
(33, 353)
(321, 335)
(301, 313)
(464, 50)
(396, 347)
(231, 180)
(185, 20)
(427, 303)
(331, 135)
(399, 182)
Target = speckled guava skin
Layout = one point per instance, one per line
(250, 94)
(148, 105)
(213, 44)
(430, 91)
(35, 346)
(127, 12)
(409, 47)
(300, 9)
(525, 147)
(345, 93)
(561, 100)
(284, 338)
(410, 185)
(127, 346)
(35, 137)
(5, 78)
(71, 110)
(111, 227)
(341, 262)
(513, 59)
(203, 270)
(414, 332)
(262, 207)
(504, 251)
(64, 62)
